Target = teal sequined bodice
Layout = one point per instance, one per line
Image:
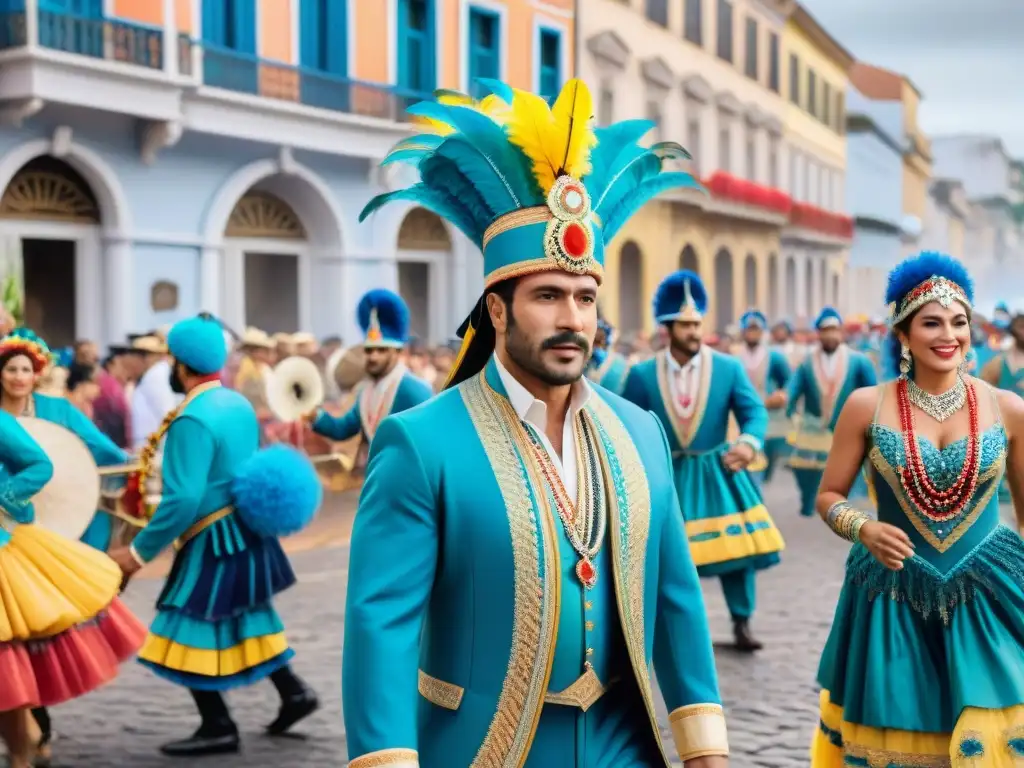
(943, 544)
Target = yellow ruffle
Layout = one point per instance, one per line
(724, 547)
(49, 584)
(196, 661)
(981, 739)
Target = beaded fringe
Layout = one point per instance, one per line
(929, 592)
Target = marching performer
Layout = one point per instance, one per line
(224, 503)
(1005, 370)
(607, 367)
(481, 622)
(923, 665)
(769, 372)
(63, 631)
(821, 385)
(694, 390)
(389, 387)
(783, 341)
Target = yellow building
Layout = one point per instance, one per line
(816, 71)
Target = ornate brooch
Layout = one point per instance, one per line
(569, 238)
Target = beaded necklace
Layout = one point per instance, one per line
(937, 505)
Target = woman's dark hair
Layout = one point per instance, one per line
(10, 354)
(78, 374)
(894, 348)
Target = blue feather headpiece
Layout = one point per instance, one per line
(536, 188)
(785, 323)
(680, 296)
(829, 317)
(384, 317)
(929, 276)
(606, 327)
(752, 318)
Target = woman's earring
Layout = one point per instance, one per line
(905, 361)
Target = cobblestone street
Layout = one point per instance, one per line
(771, 698)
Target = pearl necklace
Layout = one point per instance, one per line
(940, 407)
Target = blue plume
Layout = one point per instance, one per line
(413, 149)
(392, 313)
(277, 492)
(629, 169)
(753, 317)
(671, 293)
(502, 90)
(440, 172)
(636, 198)
(910, 273)
(434, 200)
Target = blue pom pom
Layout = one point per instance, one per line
(277, 492)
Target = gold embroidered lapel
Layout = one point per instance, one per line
(685, 431)
(829, 388)
(758, 375)
(629, 525)
(373, 411)
(536, 602)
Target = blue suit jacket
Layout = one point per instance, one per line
(410, 392)
(454, 580)
(860, 372)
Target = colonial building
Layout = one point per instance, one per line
(188, 155)
(874, 197)
(816, 239)
(993, 184)
(708, 73)
(945, 218)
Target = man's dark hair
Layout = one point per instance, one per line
(328, 340)
(78, 374)
(506, 291)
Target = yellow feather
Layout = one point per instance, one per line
(572, 114)
(429, 125)
(456, 98)
(532, 128)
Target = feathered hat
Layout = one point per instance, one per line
(680, 296)
(785, 323)
(929, 276)
(536, 188)
(753, 318)
(25, 341)
(829, 317)
(384, 317)
(199, 343)
(606, 327)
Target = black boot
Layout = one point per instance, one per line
(745, 640)
(297, 701)
(217, 734)
(44, 752)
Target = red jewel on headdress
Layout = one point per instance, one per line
(574, 240)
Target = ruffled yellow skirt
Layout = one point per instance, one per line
(63, 632)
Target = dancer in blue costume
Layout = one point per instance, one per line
(821, 384)
(1005, 370)
(693, 390)
(389, 386)
(769, 372)
(607, 367)
(517, 559)
(224, 503)
(923, 666)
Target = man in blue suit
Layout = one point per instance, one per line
(607, 367)
(517, 561)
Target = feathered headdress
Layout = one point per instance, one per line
(929, 276)
(829, 317)
(25, 341)
(753, 318)
(384, 318)
(536, 188)
(680, 296)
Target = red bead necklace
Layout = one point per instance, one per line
(937, 505)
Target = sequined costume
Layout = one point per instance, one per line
(476, 631)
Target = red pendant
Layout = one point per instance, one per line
(685, 400)
(587, 572)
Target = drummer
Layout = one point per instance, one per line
(24, 357)
(389, 386)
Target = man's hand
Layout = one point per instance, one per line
(713, 761)
(775, 400)
(738, 457)
(310, 416)
(125, 560)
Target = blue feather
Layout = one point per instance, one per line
(612, 141)
(502, 90)
(413, 149)
(444, 173)
(277, 492)
(638, 196)
(671, 292)
(392, 312)
(437, 201)
(503, 192)
(632, 167)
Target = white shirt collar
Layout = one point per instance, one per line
(693, 364)
(535, 411)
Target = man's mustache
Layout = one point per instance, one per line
(565, 339)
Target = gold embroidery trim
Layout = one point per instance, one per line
(536, 214)
(536, 598)
(202, 525)
(665, 388)
(386, 757)
(532, 266)
(883, 758)
(383, 408)
(887, 471)
(584, 692)
(438, 692)
(699, 730)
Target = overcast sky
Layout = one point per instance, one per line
(966, 57)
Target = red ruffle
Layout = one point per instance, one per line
(51, 671)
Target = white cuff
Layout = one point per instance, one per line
(698, 730)
(392, 758)
(138, 558)
(752, 441)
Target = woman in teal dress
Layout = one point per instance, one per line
(923, 666)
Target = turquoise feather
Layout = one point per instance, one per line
(443, 173)
(671, 150)
(631, 168)
(502, 90)
(434, 200)
(635, 199)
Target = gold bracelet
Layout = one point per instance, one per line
(846, 521)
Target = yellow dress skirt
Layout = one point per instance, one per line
(63, 630)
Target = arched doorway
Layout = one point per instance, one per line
(773, 286)
(424, 251)
(688, 260)
(269, 244)
(812, 308)
(49, 248)
(750, 280)
(631, 294)
(724, 313)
